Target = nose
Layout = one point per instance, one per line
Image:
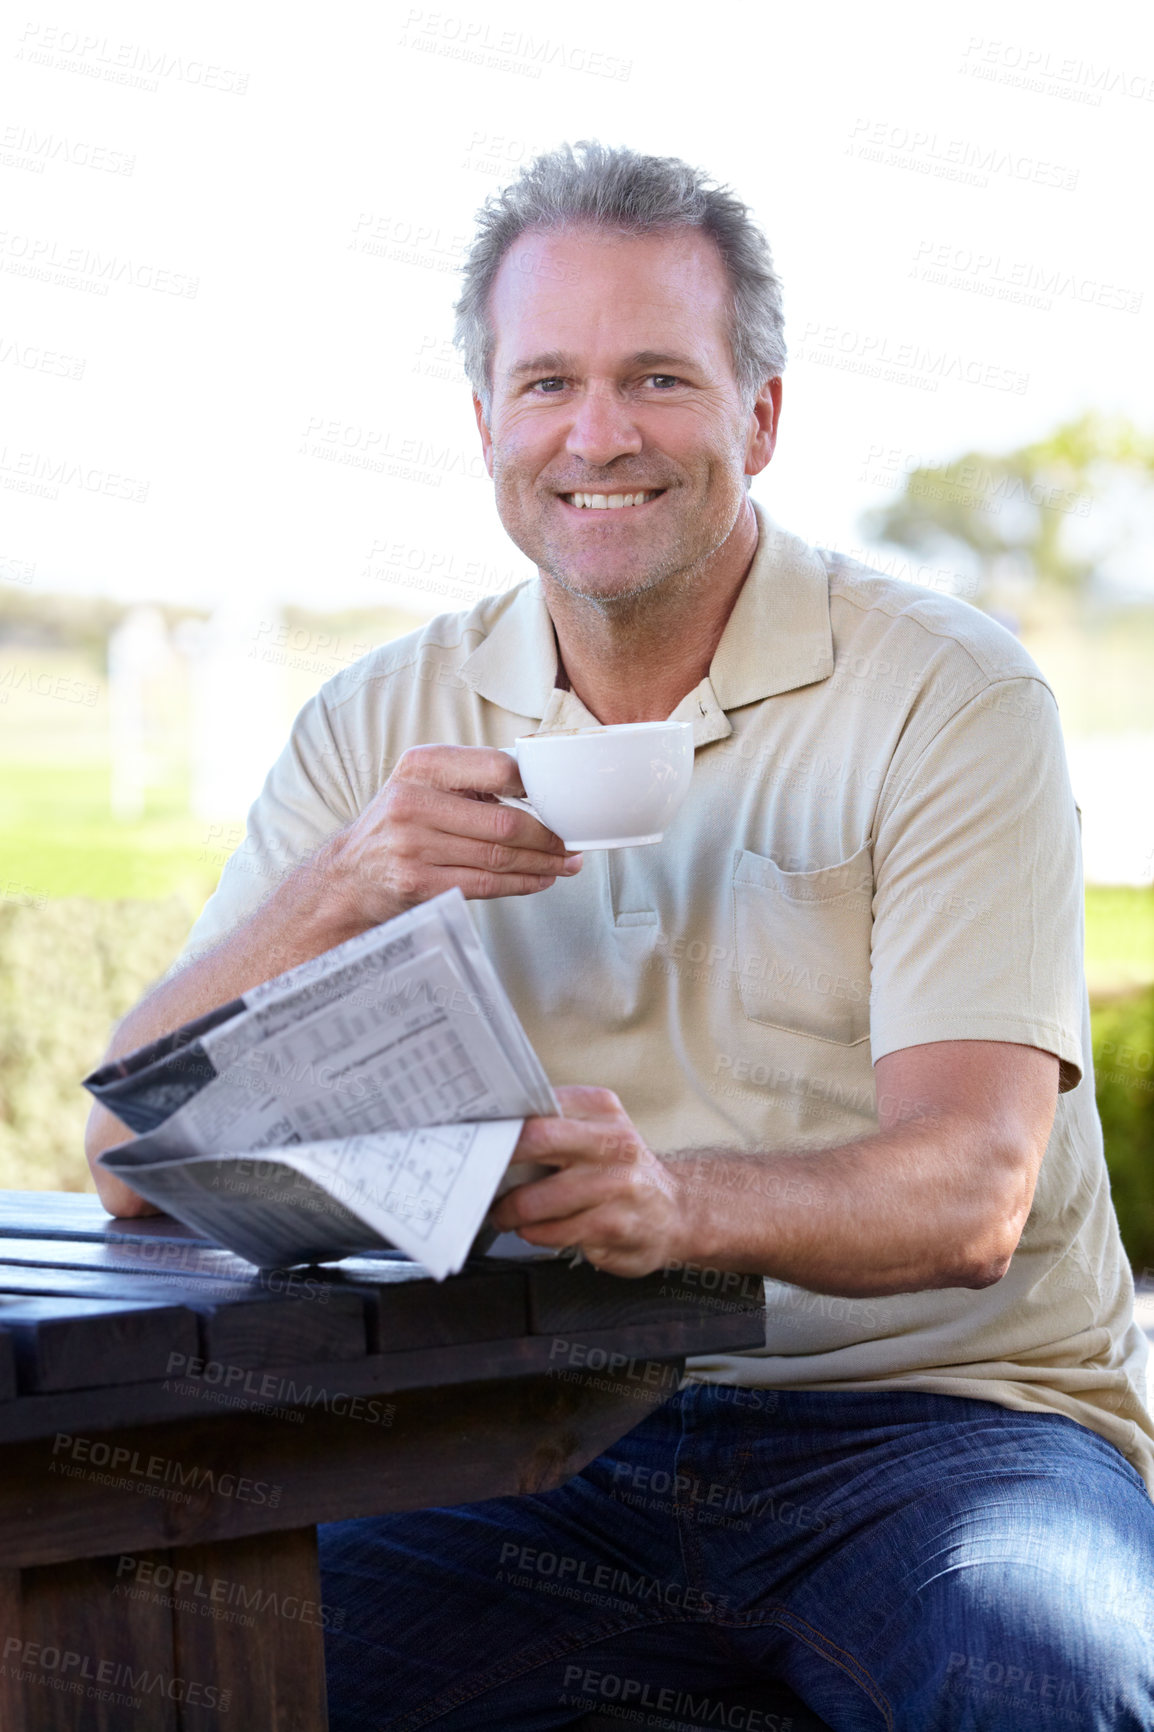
(603, 429)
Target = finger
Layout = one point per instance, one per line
(554, 1141)
(484, 886)
(478, 769)
(455, 814)
(579, 1101)
(593, 1230)
(557, 1198)
(604, 1241)
(497, 857)
(562, 1142)
(504, 826)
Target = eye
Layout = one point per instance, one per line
(662, 380)
(548, 387)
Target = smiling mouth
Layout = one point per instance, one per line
(610, 501)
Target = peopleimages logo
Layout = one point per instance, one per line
(157, 1470)
(876, 355)
(591, 1687)
(527, 1561)
(130, 63)
(959, 159)
(1026, 67)
(31, 358)
(25, 147)
(38, 684)
(1025, 282)
(40, 473)
(215, 1595)
(484, 44)
(78, 1674)
(51, 260)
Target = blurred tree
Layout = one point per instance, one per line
(1054, 512)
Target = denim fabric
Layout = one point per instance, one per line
(903, 1561)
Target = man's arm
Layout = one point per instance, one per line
(434, 825)
(937, 1197)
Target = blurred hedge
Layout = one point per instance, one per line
(69, 969)
(1124, 1079)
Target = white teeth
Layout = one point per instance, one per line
(608, 501)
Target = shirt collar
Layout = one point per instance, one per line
(515, 665)
(777, 638)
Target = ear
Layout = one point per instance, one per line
(486, 436)
(764, 417)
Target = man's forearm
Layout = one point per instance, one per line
(920, 1206)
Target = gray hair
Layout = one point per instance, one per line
(621, 190)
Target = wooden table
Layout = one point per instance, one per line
(174, 1424)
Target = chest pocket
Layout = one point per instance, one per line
(802, 945)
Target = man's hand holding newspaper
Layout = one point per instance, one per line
(370, 1097)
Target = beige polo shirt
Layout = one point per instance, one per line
(879, 849)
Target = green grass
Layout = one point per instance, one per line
(1119, 939)
(58, 839)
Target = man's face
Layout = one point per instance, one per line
(617, 439)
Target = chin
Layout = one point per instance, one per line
(620, 586)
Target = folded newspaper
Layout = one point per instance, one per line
(369, 1098)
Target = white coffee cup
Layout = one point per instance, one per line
(611, 787)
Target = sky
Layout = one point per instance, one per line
(229, 240)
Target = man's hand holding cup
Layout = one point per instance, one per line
(437, 823)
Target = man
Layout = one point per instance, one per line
(842, 1015)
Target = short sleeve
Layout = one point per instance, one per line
(307, 796)
(978, 910)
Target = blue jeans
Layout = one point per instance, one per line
(903, 1561)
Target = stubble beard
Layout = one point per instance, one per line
(672, 577)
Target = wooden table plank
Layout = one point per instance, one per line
(66, 1344)
(79, 1214)
(38, 1278)
(241, 1324)
(404, 1306)
(199, 1261)
(637, 1354)
(407, 1308)
(217, 1479)
(399, 1302)
(192, 1260)
(564, 1298)
(261, 1331)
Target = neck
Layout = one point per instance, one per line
(634, 661)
